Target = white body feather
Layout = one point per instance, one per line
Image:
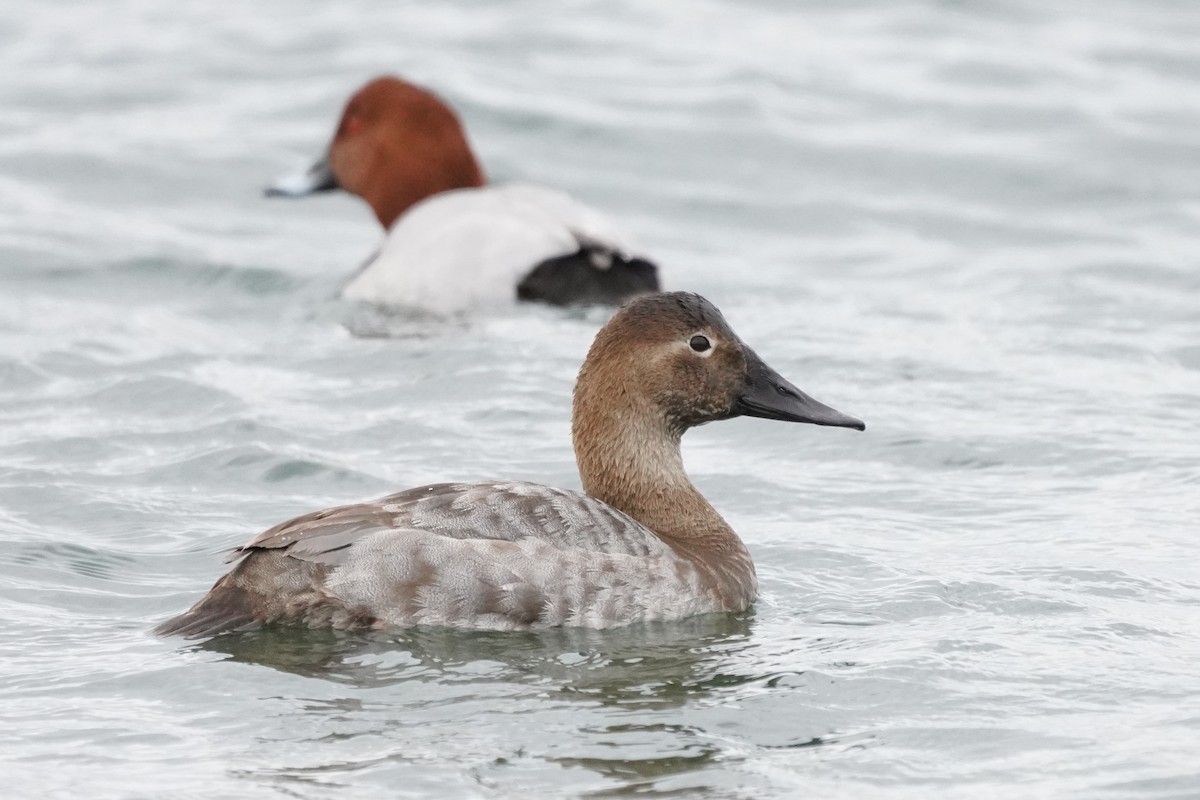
(467, 249)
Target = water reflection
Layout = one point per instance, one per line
(636, 685)
(658, 664)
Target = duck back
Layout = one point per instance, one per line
(493, 555)
(470, 249)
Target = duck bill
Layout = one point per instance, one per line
(768, 395)
(318, 178)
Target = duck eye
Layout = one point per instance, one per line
(350, 125)
(700, 343)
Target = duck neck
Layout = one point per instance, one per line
(629, 458)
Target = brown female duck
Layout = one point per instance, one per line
(639, 543)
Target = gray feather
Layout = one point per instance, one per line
(501, 511)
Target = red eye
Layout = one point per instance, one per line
(350, 125)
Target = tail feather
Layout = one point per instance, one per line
(267, 587)
(223, 609)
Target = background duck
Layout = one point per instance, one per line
(456, 243)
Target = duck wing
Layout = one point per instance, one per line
(480, 555)
(495, 510)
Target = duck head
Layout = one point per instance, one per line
(395, 145)
(673, 357)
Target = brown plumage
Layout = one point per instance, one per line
(397, 144)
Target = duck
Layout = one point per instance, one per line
(639, 543)
(455, 243)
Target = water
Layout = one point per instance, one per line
(975, 226)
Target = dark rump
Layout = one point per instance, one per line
(589, 276)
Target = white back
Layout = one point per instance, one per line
(468, 249)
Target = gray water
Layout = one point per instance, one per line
(974, 225)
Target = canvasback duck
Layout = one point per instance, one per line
(455, 243)
(639, 543)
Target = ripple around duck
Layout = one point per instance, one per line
(87, 560)
(161, 396)
(242, 280)
(163, 274)
(255, 463)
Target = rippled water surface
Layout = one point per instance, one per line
(974, 225)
